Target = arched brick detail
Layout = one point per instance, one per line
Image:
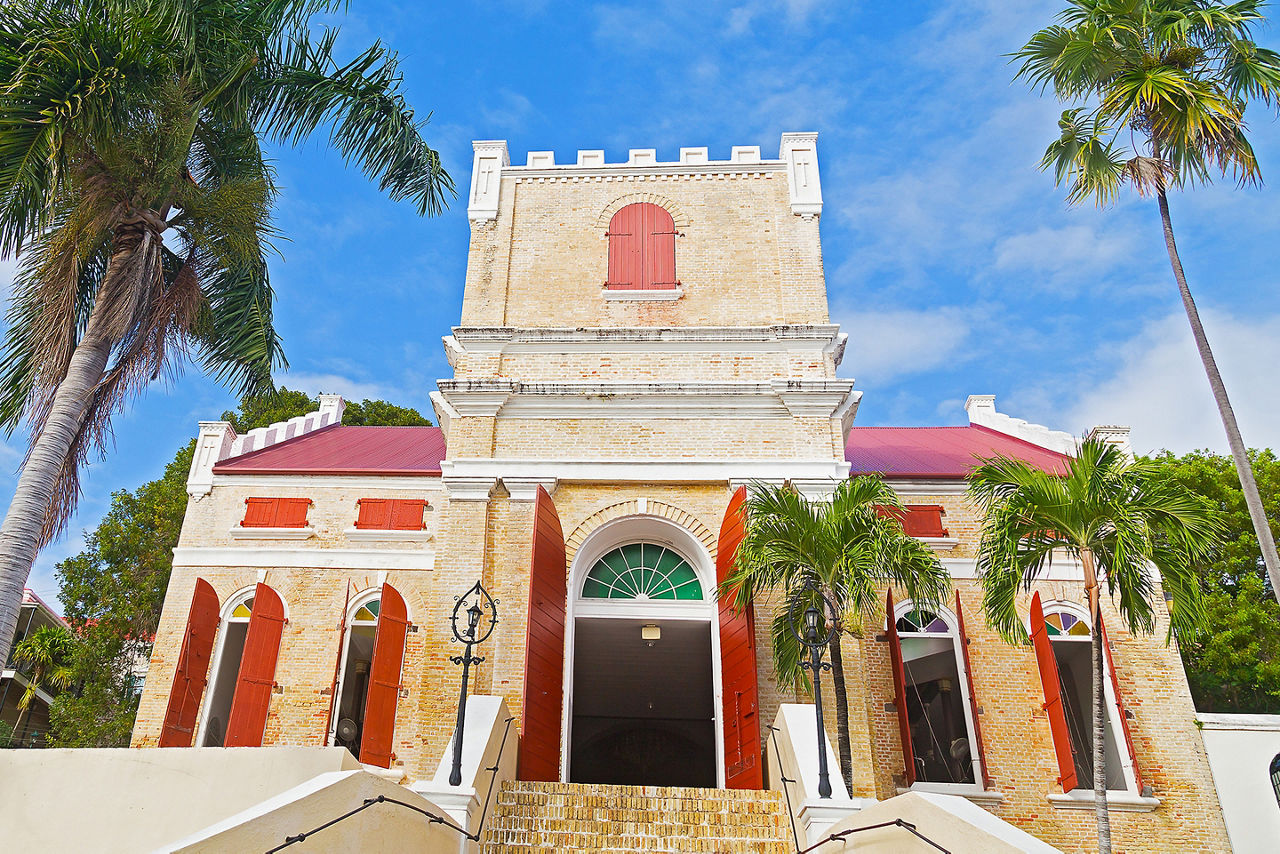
(652, 507)
(679, 217)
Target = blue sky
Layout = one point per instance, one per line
(952, 262)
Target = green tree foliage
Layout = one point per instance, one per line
(1234, 665)
(44, 657)
(113, 591)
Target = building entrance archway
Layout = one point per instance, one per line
(642, 685)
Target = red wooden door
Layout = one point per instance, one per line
(973, 698)
(900, 692)
(384, 680)
(1052, 696)
(249, 705)
(193, 668)
(740, 694)
(544, 647)
(1120, 709)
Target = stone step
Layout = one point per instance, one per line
(538, 816)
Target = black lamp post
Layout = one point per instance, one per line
(476, 603)
(815, 641)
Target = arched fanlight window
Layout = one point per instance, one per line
(642, 571)
(1071, 639)
(226, 667)
(943, 740)
(368, 686)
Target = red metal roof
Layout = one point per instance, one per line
(390, 451)
(942, 452)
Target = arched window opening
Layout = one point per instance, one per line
(1275, 776)
(231, 638)
(943, 742)
(353, 691)
(642, 571)
(642, 248)
(369, 684)
(1071, 639)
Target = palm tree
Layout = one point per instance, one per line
(1118, 518)
(849, 548)
(136, 194)
(1162, 87)
(46, 652)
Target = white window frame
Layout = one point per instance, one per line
(645, 528)
(975, 752)
(233, 601)
(361, 599)
(1057, 606)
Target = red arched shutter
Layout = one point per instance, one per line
(1120, 709)
(1052, 696)
(626, 249)
(384, 679)
(544, 647)
(740, 694)
(900, 692)
(659, 248)
(973, 698)
(193, 668)
(249, 705)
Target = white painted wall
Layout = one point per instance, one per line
(1240, 749)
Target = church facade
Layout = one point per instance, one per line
(639, 343)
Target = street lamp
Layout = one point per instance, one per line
(476, 603)
(814, 640)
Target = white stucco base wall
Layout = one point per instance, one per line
(947, 820)
(129, 800)
(1240, 749)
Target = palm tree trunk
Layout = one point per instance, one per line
(1099, 708)
(842, 712)
(20, 533)
(1249, 486)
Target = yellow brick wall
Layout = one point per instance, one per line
(743, 258)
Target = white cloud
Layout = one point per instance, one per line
(887, 344)
(1160, 390)
(350, 389)
(1067, 249)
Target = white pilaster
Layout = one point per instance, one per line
(212, 446)
(490, 158)
(800, 152)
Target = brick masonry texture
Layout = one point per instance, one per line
(743, 260)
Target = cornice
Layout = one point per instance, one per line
(825, 337)
(614, 171)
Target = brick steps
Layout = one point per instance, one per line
(545, 817)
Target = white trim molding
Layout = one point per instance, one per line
(240, 533)
(464, 487)
(386, 535)
(1117, 801)
(645, 471)
(256, 557)
(526, 488)
(362, 482)
(642, 294)
(969, 791)
(824, 337)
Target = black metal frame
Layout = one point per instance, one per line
(481, 604)
(810, 640)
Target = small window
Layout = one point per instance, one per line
(235, 628)
(275, 512)
(1072, 651)
(391, 514)
(943, 740)
(642, 249)
(918, 520)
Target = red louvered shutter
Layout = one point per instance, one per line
(659, 248)
(973, 697)
(406, 514)
(917, 520)
(738, 679)
(626, 245)
(900, 692)
(292, 512)
(544, 646)
(193, 668)
(384, 680)
(1120, 709)
(259, 513)
(252, 699)
(1049, 680)
(375, 514)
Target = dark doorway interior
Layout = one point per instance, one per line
(643, 714)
